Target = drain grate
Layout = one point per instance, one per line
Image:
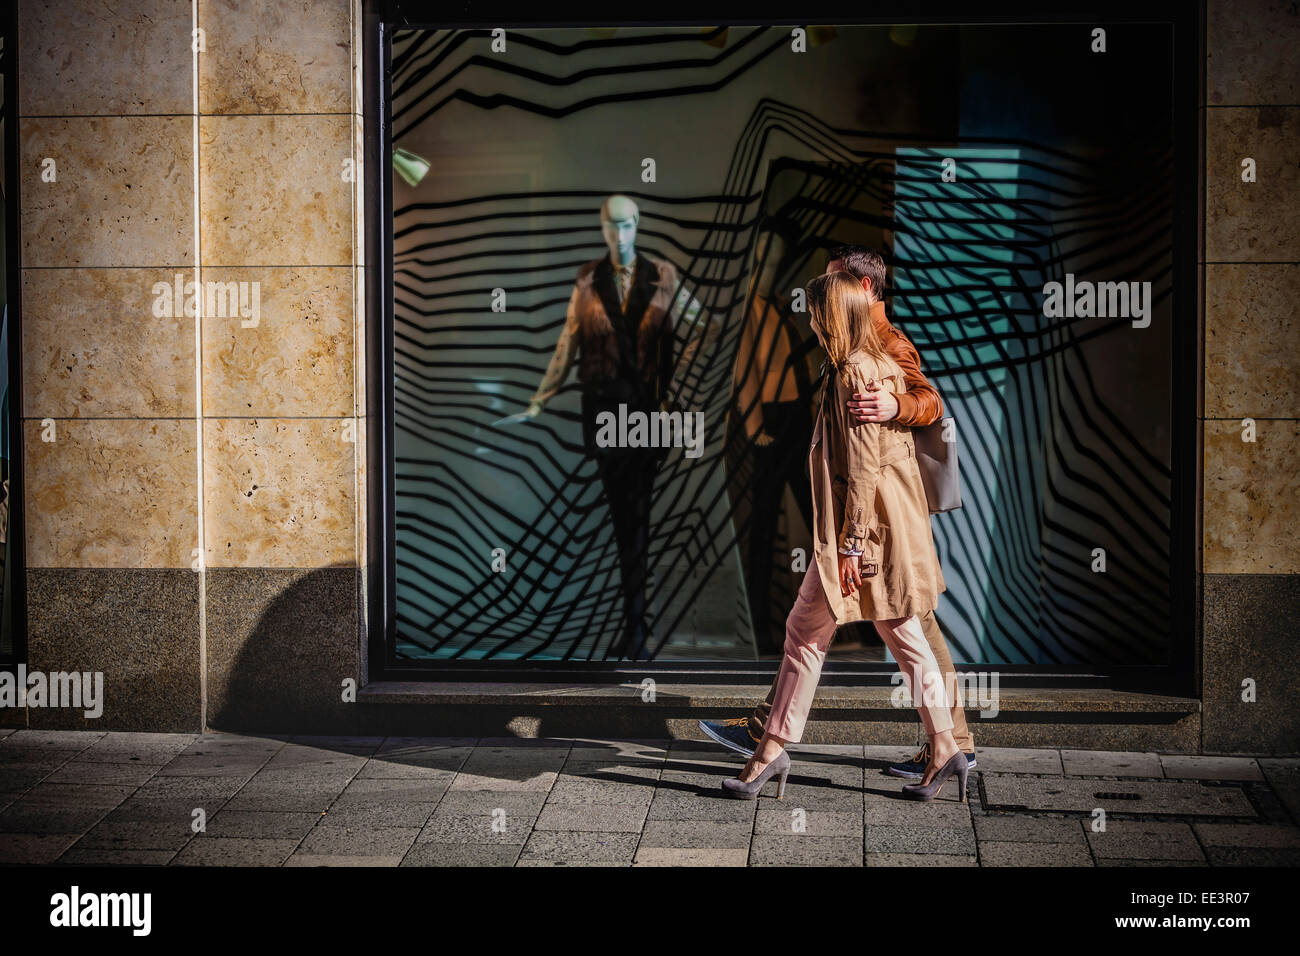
(1178, 798)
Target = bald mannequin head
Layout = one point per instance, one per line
(618, 221)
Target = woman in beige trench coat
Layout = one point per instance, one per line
(874, 556)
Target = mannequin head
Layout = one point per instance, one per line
(618, 221)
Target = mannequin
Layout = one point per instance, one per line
(619, 330)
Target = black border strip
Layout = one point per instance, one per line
(13, 297)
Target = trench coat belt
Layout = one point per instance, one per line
(906, 450)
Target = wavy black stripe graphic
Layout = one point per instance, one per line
(1052, 465)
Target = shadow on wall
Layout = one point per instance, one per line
(281, 645)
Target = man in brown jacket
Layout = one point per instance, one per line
(920, 405)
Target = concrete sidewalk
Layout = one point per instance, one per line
(221, 799)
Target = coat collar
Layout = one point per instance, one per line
(645, 280)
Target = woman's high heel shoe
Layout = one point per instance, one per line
(779, 767)
(928, 791)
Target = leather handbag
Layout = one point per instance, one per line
(937, 460)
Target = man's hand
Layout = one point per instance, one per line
(534, 409)
(874, 405)
(849, 579)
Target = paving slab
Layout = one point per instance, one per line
(1119, 861)
(1145, 840)
(1193, 767)
(597, 818)
(345, 860)
(226, 851)
(1034, 854)
(431, 766)
(144, 748)
(177, 811)
(1283, 776)
(137, 835)
(1172, 797)
(950, 841)
(540, 781)
(213, 765)
(644, 749)
(99, 856)
(378, 816)
(23, 816)
(477, 828)
(306, 800)
(396, 744)
(462, 854)
(34, 848)
(578, 849)
(66, 740)
(325, 838)
(919, 859)
(1252, 856)
(380, 791)
(126, 773)
(262, 824)
(815, 822)
(207, 789)
(1022, 828)
(690, 856)
(1018, 760)
(1258, 835)
(362, 746)
(676, 805)
(697, 835)
(1107, 763)
(804, 850)
(896, 811)
(587, 790)
(79, 795)
(485, 801)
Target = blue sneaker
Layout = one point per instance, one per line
(733, 734)
(915, 768)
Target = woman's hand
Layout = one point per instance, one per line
(849, 579)
(873, 405)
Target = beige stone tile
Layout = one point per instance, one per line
(272, 190)
(1252, 498)
(1259, 221)
(111, 493)
(94, 347)
(87, 57)
(123, 196)
(296, 361)
(278, 493)
(1252, 338)
(1251, 52)
(275, 56)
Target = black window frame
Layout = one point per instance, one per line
(1180, 676)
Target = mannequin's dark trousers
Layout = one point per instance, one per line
(783, 462)
(627, 476)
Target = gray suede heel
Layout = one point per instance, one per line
(779, 768)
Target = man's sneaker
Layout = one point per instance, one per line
(915, 768)
(732, 733)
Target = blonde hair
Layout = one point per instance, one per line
(843, 310)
